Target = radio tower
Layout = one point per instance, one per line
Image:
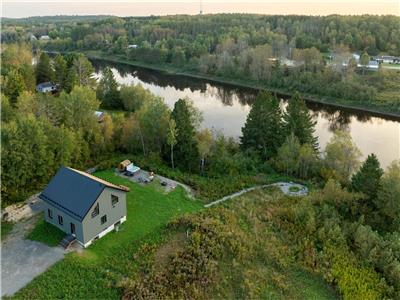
(201, 7)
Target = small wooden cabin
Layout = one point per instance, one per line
(123, 164)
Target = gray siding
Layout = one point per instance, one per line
(92, 226)
(67, 220)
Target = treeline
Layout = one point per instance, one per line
(197, 35)
(273, 141)
(287, 53)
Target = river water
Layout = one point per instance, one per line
(225, 108)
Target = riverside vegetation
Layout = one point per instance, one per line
(346, 231)
(282, 53)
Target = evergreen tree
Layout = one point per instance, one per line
(61, 71)
(71, 80)
(298, 121)
(367, 179)
(263, 129)
(186, 153)
(84, 70)
(44, 71)
(107, 90)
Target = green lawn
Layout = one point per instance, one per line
(95, 272)
(46, 233)
(6, 228)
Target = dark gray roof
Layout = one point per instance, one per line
(74, 192)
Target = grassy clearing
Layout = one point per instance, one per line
(6, 228)
(46, 233)
(96, 272)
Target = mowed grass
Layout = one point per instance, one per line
(97, 271)
(46, 233)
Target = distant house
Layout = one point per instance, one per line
(82, 205)
(99, 115)
(390, 59)
(46, 87)
(44, 38)
(290, 63)
(133, 46)
(372, 65)
(356, 56)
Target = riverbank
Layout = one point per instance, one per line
(171, 70)
(376, 110)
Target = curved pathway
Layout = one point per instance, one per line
(288, 188)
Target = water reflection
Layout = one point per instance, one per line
(225, 108)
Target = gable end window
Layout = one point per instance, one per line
(103, 219)
(114, 200)
(96, 210)
(60, 220)
(50, 213)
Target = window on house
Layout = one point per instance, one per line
(96, 210)
(50, 213)
(114, 200)
(103, 219)
(60, 220)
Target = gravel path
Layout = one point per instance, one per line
(285, 187)
(142, 175)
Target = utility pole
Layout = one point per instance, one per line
(201, 7)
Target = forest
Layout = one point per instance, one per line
(281, 53)
(347, 230)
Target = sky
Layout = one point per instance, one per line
(18, 9)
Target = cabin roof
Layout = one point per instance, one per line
(74, 191)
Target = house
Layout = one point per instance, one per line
(44, 38)
(99, 115)
(83, 205)
(356, 57)
(390, 59)
(46, 87)
(372, 65)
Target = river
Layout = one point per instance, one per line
(225, 108)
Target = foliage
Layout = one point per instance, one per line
(308, 54)
(367, 178)
(44, 70)
(262, 131)
(61, 71)
(388, 200)
(186, 151)
(231, 251)
(46, 233)
(107, 90)
(133, 96)
(299, 122)
(6, 228)
(13, 85)
(341, 157)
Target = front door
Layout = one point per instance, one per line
(73, 228)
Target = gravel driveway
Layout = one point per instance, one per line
(22, 260)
